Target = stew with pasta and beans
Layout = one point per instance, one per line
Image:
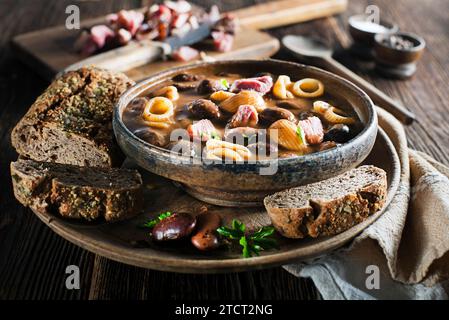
(238, 118)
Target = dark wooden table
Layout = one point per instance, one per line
(33, 259)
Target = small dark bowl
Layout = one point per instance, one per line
(366, 37)
(240, 184)
(398, 62)
(363, 43)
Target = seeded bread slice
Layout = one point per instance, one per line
(77, 192)
(71, 122)
(328, 207)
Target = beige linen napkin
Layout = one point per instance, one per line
(409, 243)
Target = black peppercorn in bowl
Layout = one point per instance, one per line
(246, 183)
(396, 54)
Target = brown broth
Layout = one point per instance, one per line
(132, 115)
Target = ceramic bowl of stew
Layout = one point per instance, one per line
(308, 145)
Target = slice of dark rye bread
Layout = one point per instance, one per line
(328, 207)
(71, 122)
(77, 192)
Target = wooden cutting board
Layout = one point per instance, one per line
(251, 44)
(50, 50)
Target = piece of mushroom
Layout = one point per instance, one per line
(340, 133)
(185, 77)
(207, 86)
(203, 109)
(152, 136)
(270, 115)
(137, 105)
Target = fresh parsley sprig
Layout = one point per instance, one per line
(151, 223)
(253, 243)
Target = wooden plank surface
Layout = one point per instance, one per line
(33, 258)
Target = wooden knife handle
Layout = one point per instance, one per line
(134, 54)
(284, 12)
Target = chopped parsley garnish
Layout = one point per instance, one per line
(253, 243)
(151, 223)
(301, 135)
(224, 83)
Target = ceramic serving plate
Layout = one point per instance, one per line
(126, 242)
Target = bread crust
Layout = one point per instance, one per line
(71, 122)
(290, 222)
(74, 192)
(325, 216)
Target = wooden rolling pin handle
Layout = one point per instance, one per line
(284, 12)
(378, 97)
